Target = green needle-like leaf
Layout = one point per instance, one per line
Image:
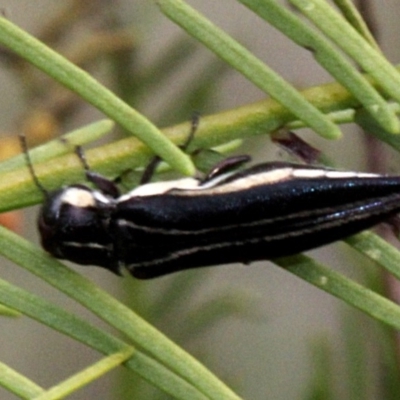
(86, 376)
(8, 312)
(350, 12)
(347, 38)
(249, 65)
(17, 188)
(53, 316)
(116, 314)
(329, 57)
(92, 91)
(344, 288)
(378, 250)
(17, 383)
(58, 147)
(369, 125)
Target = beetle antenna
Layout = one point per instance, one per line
(101, 182)
(81, 155)
(22, 139)
(195, 121)
(82, 158)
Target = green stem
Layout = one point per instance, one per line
(17, 189)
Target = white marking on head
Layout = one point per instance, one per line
(78, 197)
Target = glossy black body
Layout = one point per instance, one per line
(260, 213)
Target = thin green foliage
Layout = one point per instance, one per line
(352, 15)
(329, 57)
(17, 189)
(86, 376)
(82, 83)
(116, 314)
(154, 357)
(18, 383)
(47, 313)
(56, 147)
(344, 288)
(240, 58)
(349, 40)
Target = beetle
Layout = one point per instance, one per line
(260, 212)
